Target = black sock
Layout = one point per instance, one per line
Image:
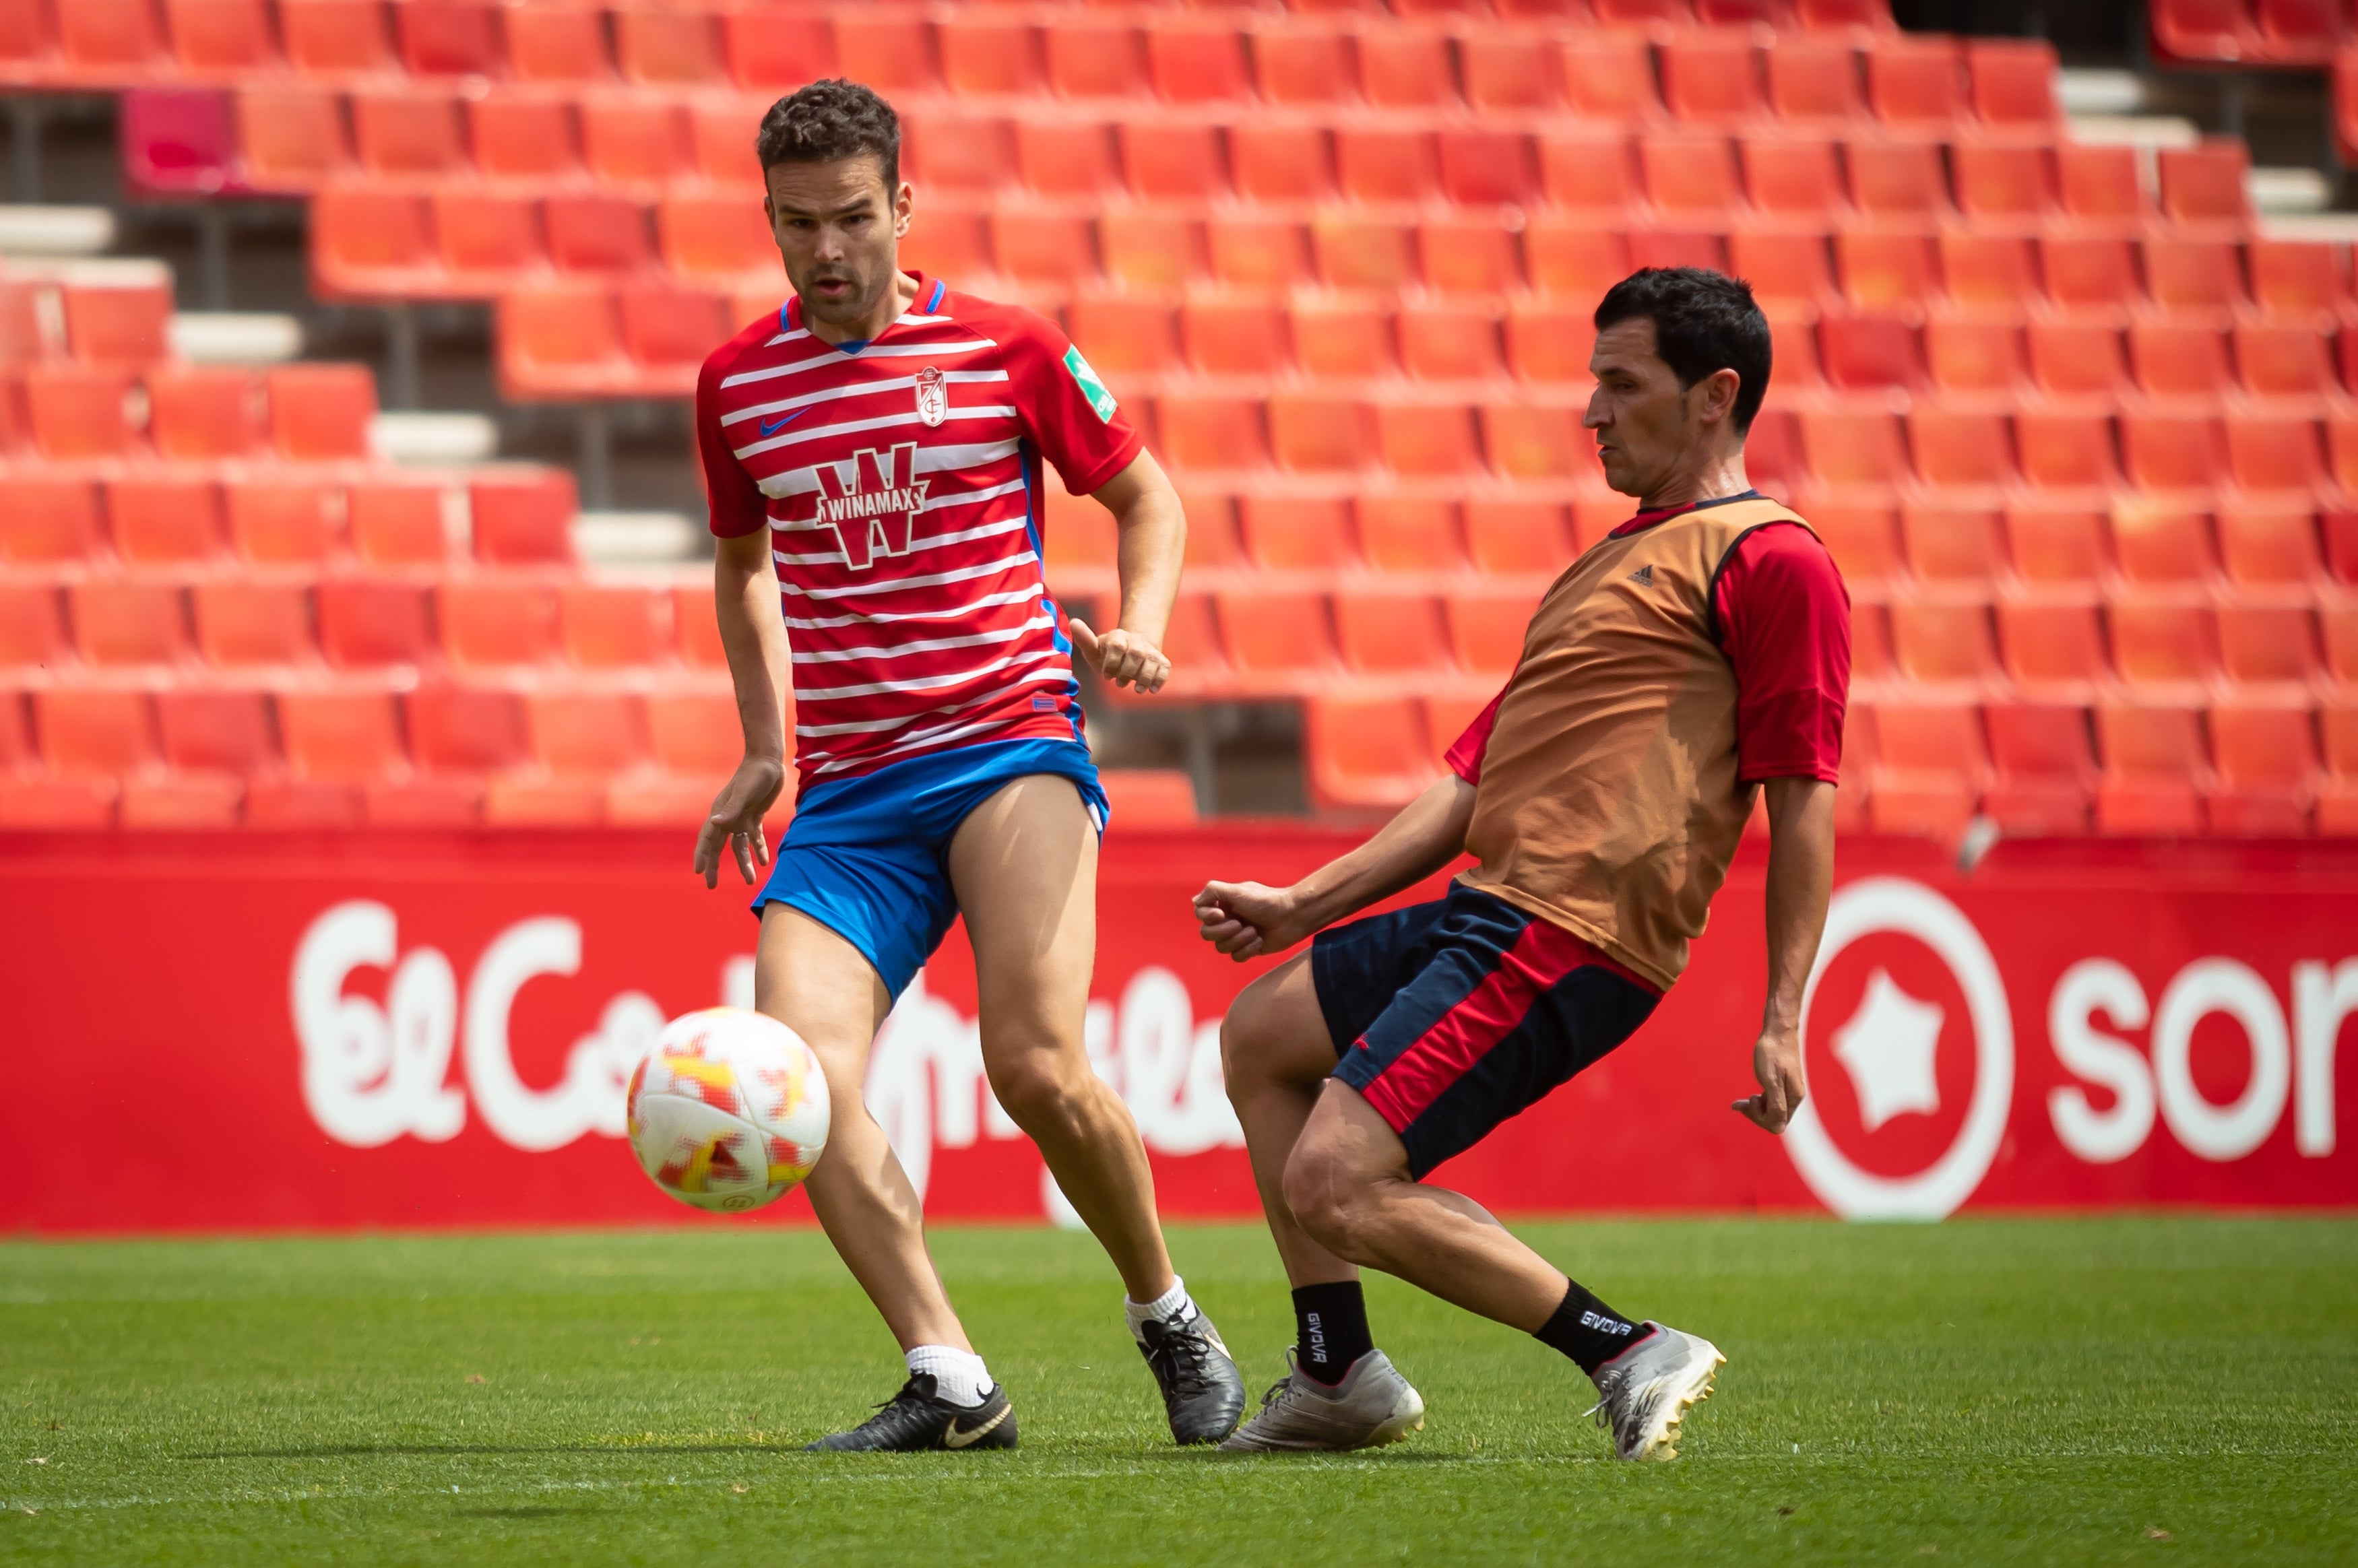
(1586, 1329)
(1330, 1325)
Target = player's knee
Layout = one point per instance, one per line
(1243, 1042)
(1037, 1091)
(1325, 1198)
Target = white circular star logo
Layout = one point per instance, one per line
(1888, 1047)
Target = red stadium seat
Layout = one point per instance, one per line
(2283, 361)
(1275, 633)
(984, 55)
(596, 232)
(320, 411)
(2159, 543)
(1988, 273)
(2295, 278)
(560, 340)
(1408, 534)
(2337, 801)
(486, 240)
(32, 626)
(1505, 72)
(2266, 452)
(632, 140)
(1969, 355)
(2161, 640)
(2266, 545)
(2193, 274)
(1896, 179)
(1384, 163)
(1367, 750)
(2095, 275)
(1851, 447)
(1043, 247)
(1119, 333)
(1914, 81)
(1170, 162)
(2075, 357)
(2044, 769)
(164, 520)
(1570, 257)
(556, 43)
(1357, 251)
(403, 132)
(1299, 62)
(522, 516)
(215, 730)
(1209, 430)
(1487, 626)
(586, 732)
(2000, 183)
(2153, 769)
(290, 138)
(1194, 61)
(721, 238)
(2053, 644)
(698, 628)
(1587, 170)
(227, 36)
(1405, 68)
(668, 331)
(1251, 251)
(2170, 453)
(1863, 540)
(491, 621)
(1885, 270)
(1952, 544)
(1930, 768)
(372, 622)
(1547, 342)
(1934, 642)
(466, 729)
(1384, 632)
(348, 736)
(113, 324)
(1505, 537)
(2063, 451)
(1711, 76)
(1478, 167)
(942, 151)
(282, 518)
(1277, 162)
(695, 734)
(241, 622)
(1609, 77)
(1061, 160)
(1093, 60)
(2261, 646)
(2267, 769)
(1149, 250)
(77, 413)
(1792, 177)
(129, 622)
(452, 38)
(1689, 174)
(2175, 358)
(1297, 535)
(614, 625)
(330, 38)
(197, 412)
(1814, 79)
(46, 518)
(2204, 183)
(1150, 797)
(885, 50)
(86, 730)
(1955, 449)
(2099, 185)
(661, 47)
(1858, 352)
(2012, 83)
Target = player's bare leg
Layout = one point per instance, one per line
(821, 987)
(1276, 1056)
(1025, 866)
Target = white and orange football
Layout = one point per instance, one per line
(729, 1110)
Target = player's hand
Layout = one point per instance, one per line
(1122, 658)
(1777, 1064)
(735, 825)
(1245, 920)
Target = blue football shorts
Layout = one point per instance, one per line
(868, 858)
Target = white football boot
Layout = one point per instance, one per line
(1371, 1406)
(1645, 1392)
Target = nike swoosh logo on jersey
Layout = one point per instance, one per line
(954, 1438)
(771, 428)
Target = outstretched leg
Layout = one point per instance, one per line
(1275, 1053)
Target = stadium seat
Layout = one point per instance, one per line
(395, 522)
(1993, 274)
(984, 55)
(1813, 78)
(1212, 541)
(101, 730)
(221, 730)
(2283, 361)
(1503, 72)
(2090, 273)
(320, 411)
(464, 728)
(2337, 795)
(1405, 68)
(522, 516)
(630, 140)
(373, 622)
(1587, 170)
(1169, 162)
(1468, 254)
(401, 133)
(2001, 184)
(1424, 438)
(161, 519)
(1093, 60)
(1792, 177)
(1512, 536)
(556, 43)
(698, 629)
(342, 735)
(1948, 543)
(1250, 250)
(1299, 62)
(1966, 354)
(1294, 534)
(2267, 645)
(334, 37)
(715, 238)
(1486, 627)
(224, 37)
(46, 518)
(2063, 451)
(486, 240)
(1043, 247)
(1209, 430)
(1366, 752)
(1571, 258)
(2269, 547)
(1275, 631)
(696, 733)
(1791, 276)
(595, 231)
(197, 412)
(136, 621)
(2161, 640)
(453, 38)
(2168, 451)
(2055, 647)
(2268, 452)
(614, 625)
(1150, 797)
(1196, 60)
(2295, 278)
(1119, 333)
(1711, 76)
(2011, 83)
(1609, 76)
(1896, 179)
(667, 331)
(560, 340)
(1863, 540)
(1953, 449)
(371, 243)
(2154, 770)
(494, 621)
(108, 324)
(1846, 447)
(2265, 758)
(1885, 270)
(1054, 158)
(1930, 768)
(2179, 360)
(1405, 534)
(1447, 342)
(1690, 175)
(1550, 343)
(1277, 162)
(32, 625)
(1934, 642)
(2075, 357)
(1534, 441)
(1149, 250)
(282, 517)
(1389, 632)
(1913, 82)
(252, 621)
(1356, 249)
(2043, 768)
(2157, 543)
(2204, 183)
(2193, 274)
(290, 139)
(73, 412)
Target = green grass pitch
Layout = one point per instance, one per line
(2122, 1391)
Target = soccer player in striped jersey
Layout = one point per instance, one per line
(874, 457)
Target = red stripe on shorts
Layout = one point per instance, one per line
(1542, 956)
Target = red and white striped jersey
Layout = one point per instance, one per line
(900, 481)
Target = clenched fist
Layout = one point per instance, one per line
(1122, 658)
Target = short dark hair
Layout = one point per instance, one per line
(1703, 321)
(832, 120)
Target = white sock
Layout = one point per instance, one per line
(959, 1376)
(1173, 1302)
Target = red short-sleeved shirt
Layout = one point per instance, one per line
(900, 481)
(1784, 624)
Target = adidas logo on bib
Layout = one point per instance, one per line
(1643, 577)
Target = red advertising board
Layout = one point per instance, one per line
(245, 1033)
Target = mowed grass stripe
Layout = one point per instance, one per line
(2011, 1389)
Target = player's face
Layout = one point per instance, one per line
(1641, 416)
(840, 228)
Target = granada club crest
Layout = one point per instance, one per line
(874, 513)
(932, 396)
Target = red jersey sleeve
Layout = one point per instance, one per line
(1464, 758)
(736, 503)
(1068, 410)
(1784, 624)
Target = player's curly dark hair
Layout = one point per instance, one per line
(1703, 321)
(832, 120)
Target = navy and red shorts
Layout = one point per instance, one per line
(1451, 1016)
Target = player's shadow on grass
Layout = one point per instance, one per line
(458, 1450)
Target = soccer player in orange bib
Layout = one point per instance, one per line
(1692, 658)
